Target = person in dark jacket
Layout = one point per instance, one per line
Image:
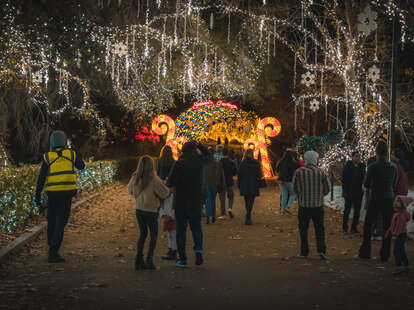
(214, 183)
(380, 179)
(249, 176)
(58, 172)
(353, 175)
(230, 170)
(286, 167)
(164, 166)
(187, 178)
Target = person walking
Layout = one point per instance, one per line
(286, 168)
(148, 189)
(214, 181)
(398, 229)
(311, 184)
(58, 172)
(230, 170)
(249, 176)
(187, 178)
(380, 179)
(164, 166)
(353, 175)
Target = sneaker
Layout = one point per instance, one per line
(286, 211)
(181, 263)
(231, 214)
(56, 258)
(398, 270)
(248, 222)
(199, 258)
(361, 257)
(301, 256)
(171, 255)
(323, 256)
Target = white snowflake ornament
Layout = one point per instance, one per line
(367, 21)
(120, 49)
(314, 105)
(374, 73)
(37, 78)
(308, 79)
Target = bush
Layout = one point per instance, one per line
(18, 186)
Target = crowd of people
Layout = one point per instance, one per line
(182, 191)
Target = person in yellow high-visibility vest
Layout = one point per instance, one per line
(58, 177)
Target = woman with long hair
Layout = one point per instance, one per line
(286, 168)
(148, 189)
(249, 176)
(164, 165)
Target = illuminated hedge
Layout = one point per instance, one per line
(18, 185)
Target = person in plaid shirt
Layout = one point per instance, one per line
(311, 184)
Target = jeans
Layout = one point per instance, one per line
(375, 207)
(147, 220)
(230, 196)
(172, 240)
(59, 204)
(288, 196)
(304, 217)
(249, 201)
(352, 202)
(185, 216)
(211, 201)
(399, 250)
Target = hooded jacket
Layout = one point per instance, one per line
(250, 173)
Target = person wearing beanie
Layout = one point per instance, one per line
(380, 179)
(398, 229)
(311, 184)
(58, 172)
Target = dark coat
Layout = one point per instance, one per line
(380, 179)
(163, 171)
(347, 180)
(250, 173)
(286, 170)
(187, 177)
(230, 170)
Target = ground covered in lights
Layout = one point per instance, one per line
(246, 267)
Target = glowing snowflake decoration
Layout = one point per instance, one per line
(120, 49)
(367, 21)
(374, 73)
(308, 79)
(37, 78)
(314, 105)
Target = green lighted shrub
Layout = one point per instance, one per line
(18, 186)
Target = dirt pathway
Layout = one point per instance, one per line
(247, 267)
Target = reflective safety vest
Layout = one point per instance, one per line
(61, 174)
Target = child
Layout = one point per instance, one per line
(398, 229)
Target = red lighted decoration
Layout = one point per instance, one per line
(146, 134)
(199, 104)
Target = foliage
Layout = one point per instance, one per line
(18, 185)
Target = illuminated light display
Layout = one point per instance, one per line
(219, 103)
(209, 121)
(267, 127)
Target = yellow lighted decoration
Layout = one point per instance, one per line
(267, 127)
(163, 124)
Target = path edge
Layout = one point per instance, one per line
(27, 237)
